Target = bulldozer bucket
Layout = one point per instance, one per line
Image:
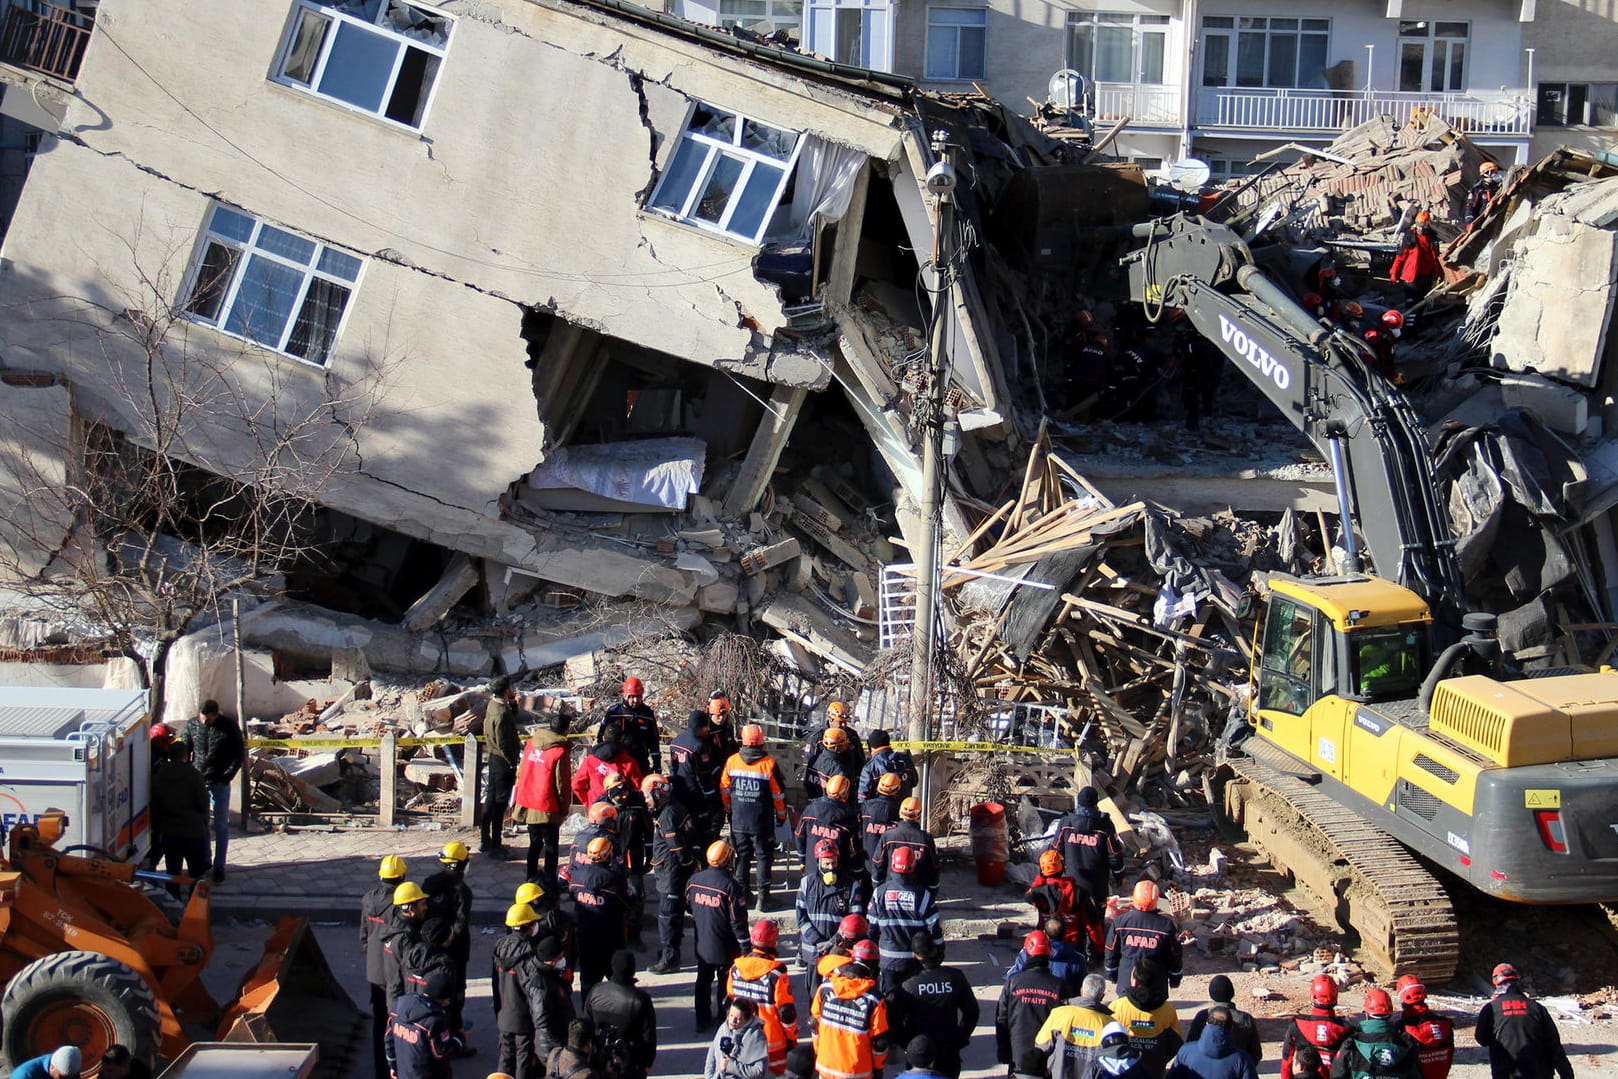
(292, 996)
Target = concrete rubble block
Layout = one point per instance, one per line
(547, 648)
(304, 629)
(760, 559)
(459, 577)
(507, 586)
(432, 773)
(718, 598)
(799, 620)
(317, 769)
(606, 569)
(1559, 306)
(1563, 408)
(35, 425)
(699, 567)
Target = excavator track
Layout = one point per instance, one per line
(1369, 882)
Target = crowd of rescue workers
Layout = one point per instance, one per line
(871, 946)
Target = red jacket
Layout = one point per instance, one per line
(1434, 1036)
(1055, 897)
(590, 779)
(543, 777)
(1417, 259)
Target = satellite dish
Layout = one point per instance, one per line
(1066, 89)
(1189, 174)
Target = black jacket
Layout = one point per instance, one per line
(449, 898)
(1522, 1038)
(640, 734)
(404, 956)
(511, 970)
(634, 827)
(937, 1002)
(718, 915)
(1026, 999)
(908, 834)
(628, 1011)
(674, 846)
(179, 802)
(420, 1044)
(376, 915)
(827, 818)
(550, 1002)
(601, 906)
(1089, 844)
(1136, 934)
(825, 764)
(216, 748)
(878, 813)
(694, 767)
(1243, 1031)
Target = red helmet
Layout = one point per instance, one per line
(1378, 1005)
(1393, 319)
(765, 933)
(1410, 990)
(161, 735)
(633, 688)
(853, 927)
(1323, 991)
(866, 951)
(1036, 944)
(1311, 300)
(1504, 973)
(752, 735)
(825, 849)
(903, 860)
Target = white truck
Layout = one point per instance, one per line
(85, 751)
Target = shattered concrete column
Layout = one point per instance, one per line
(840, 282)
(459, 577)
(765, 452)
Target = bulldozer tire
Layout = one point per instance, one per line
(77, 998)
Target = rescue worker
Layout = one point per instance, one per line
(722, 725)
(1066, 961)
(1484, 190)
(1054, 895)
(935, 1002)
(1323, 279)
(1416, 265)
(162, 737)
(740, 1047)
(883, 761)
(600, 822)
(1093, 857)
(750, 787)
(1377, 1047)
(828, 892)
(421, 1042)
(625, 1021)
(901, 907)
(179, 812)
(638, 724)
(760, 977)
(849, 1022)
(1433, 1034)
(832, 817)
(719, 927)
(63, 1062)
(909, 833)
(449, 898)
(1520, 1034)
(376, 914)
(1380, 337)
(800, 1063)
(852, 932)
(1071, 1035)
(1213, 1054)
(674, 858)
(1243, 1030)
(1145, 1012)
(505, 752)
(837, 756)
(607, 757)
(543, 793)
(511, 970)
(878, 813)
(1026, 1001)
(694, 770)
(601, 905)
(1120, 1058)
(634, 844)
(1201, 365)
(1140, 933)
(403, 949)
(553, 920)
(839, 716)
(1320, 1027)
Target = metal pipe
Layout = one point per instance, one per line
(1286, 309)
(1339, 475)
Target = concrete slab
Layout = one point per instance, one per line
(1559, 304)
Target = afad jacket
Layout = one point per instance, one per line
(764, 980)
(750, 787)
(850, 1025)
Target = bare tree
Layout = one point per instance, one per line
(180, 472)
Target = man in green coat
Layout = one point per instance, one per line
(500, 736)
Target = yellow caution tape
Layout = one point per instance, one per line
(405, 741)
(973, 747)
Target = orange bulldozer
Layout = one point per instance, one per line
(88, 959)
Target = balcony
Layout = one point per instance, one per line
(1145, 104)
(45, 38)
(1328, 112)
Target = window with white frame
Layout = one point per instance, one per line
(269, 286)
(761, 16)
(1593, 104)
(1274, 52)
(1116, 47)
(378, 56)
(1432, 55)
(858, 32)
(727, 174)
(957, 40)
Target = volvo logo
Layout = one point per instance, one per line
(1254, 353)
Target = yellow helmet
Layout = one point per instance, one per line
(599, 850)
(529, 892)
(393, 868)
(519, 915)
(407, 893)
(454, 851)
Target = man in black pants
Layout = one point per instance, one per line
(719, 918)
(376, 915)
(675, 842)
(500, 736)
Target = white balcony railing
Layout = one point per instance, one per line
(1146, 105)
(1506, 112)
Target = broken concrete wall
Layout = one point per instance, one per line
(35, 435)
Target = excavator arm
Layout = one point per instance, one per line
(1322, 382)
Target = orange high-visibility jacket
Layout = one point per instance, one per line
(850, 1029)
(764, 980)
(751, 791)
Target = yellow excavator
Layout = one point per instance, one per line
(88, 959)
(1393, 745)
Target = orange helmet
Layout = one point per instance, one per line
(1353, 310)
(752, 735)
(838, 787)
(600, 850)
(835, 739)
(613, 781)
(1422, 217)
(1145, 895)
(765, 933)
(602, 812)
(1323, 991)
(719, 703)
(633, 688)
(1503, 973)
(890, 783)
(1051, 863)
(838, 712)
(720, 854)
(1410, 990)
(654, 785)
(1488, 167)
(910, 809)
(1378, 1005)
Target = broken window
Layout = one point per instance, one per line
(378, 56)
(269, 286)
(1576, 103)
(727, 173)
(1109, 47)
(761, 16)
(1277, 52)
(956, 42)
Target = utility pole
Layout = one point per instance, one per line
(941, 183)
